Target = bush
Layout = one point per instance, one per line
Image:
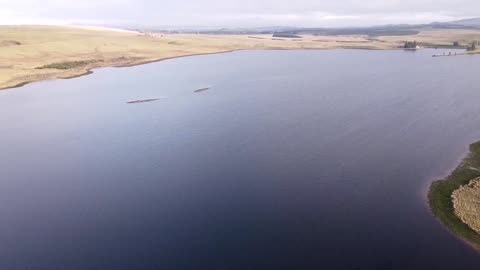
(410, 45)
(68, 65)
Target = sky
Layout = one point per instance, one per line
(235, 13)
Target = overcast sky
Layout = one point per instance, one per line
(235, 13)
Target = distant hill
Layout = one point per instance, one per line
(295, 32)
(474, 22)
(380, 30)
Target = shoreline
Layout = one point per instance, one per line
(440, 197)
(90, 70)
(146, 62)
(85, 73)
(62, 56)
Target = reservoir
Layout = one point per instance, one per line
(291, 160)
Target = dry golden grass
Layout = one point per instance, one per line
(441, 36)
(466, 201)
(23, 49)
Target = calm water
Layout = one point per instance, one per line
(292, 160)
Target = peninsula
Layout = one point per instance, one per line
(455, 200)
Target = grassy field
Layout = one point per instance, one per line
(441, 200)
(32, 53)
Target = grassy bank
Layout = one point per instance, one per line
(440, 195)
(69, 65)
(34, 53)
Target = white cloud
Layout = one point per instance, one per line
(324, 13)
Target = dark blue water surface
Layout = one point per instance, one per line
(292, 160)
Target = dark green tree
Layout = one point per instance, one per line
(472, 46)
(410, 45)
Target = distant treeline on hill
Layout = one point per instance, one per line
(347, 31)
(296, 32)
(285, 35)
(381, 30)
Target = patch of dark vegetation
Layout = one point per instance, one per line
(440, 195)
(472, 46)
(410, 45)
(352, 41)
(454, 45)
(7, 43)
(372, 32)
(69, 65)
(256, 37)
(175, 43)
(375, 39)
(285, 35)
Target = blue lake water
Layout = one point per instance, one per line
(292, 160)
